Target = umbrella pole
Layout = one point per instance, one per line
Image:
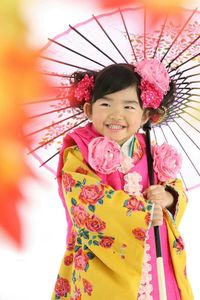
(159, 258)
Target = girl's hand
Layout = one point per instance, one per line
(158, 195)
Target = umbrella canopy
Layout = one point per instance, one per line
(123, 36)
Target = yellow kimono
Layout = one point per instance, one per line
(105, 249)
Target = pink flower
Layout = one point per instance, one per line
(150, 96)
(80, 260)
(87, 287)
(180, 244)
(81, 170)
(91, 194)
(139, 233)
(154, 72)
(68, 259)
(154, 83)
(132, 183)
(71, 241)
(84, 89)
(62, 287)
(68, 182)
(80, 215)
(93, 223)
(135, 205)
(106, 242)
(126, 163)
(104, 155)
(167, 161)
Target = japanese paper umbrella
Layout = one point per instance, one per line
(123, 36)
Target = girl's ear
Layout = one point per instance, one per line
(145, 117)
(87, 108)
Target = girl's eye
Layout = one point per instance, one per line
(104, 104)
(129, 107)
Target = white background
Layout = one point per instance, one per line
(30, 273)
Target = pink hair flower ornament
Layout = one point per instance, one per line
(84, 88)
(154, 83)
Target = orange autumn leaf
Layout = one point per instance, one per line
(19, 82)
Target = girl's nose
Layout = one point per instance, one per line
(116, 118)
(116, 113)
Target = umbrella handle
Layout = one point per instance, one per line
(159, 259)
(160, 266)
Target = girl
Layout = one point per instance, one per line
(103, 182)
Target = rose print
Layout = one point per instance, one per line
(93, 223)
(106, 242)
(81, 170)
(79, 215)
(179, 244)
(87, 287)
(134, 204)
(71, 241)
(91, 194)
(62, 287)
(68, 182)
(80, 260)
(148, 218)
(139, 233)
(68, 259)
(77, 294)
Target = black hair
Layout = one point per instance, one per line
(116, 77)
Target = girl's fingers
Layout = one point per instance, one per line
(157, 216)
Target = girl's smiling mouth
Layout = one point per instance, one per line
(115, 126)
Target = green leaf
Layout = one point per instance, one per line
(96, 243)
(90, 255)
(125, 203)
(79, 240)
(149, 207)
(76, 248)
(85, 234)
(129, 213)
(90, 242)
(86, 267)
(73, 201)
(100, 201)
(85, 247)
(79, 184)
(84, 181)
(74, 277)
(94, 237)
(91, 207)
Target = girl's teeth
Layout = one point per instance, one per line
(115, 126)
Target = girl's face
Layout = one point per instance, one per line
(117, 115)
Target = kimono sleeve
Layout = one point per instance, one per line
(175, 187)
(107, 221)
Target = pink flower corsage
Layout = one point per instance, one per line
(104, 155)
(126, 164)
(155, 82)
(84, 89)
(167, 161)
(132, 184)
